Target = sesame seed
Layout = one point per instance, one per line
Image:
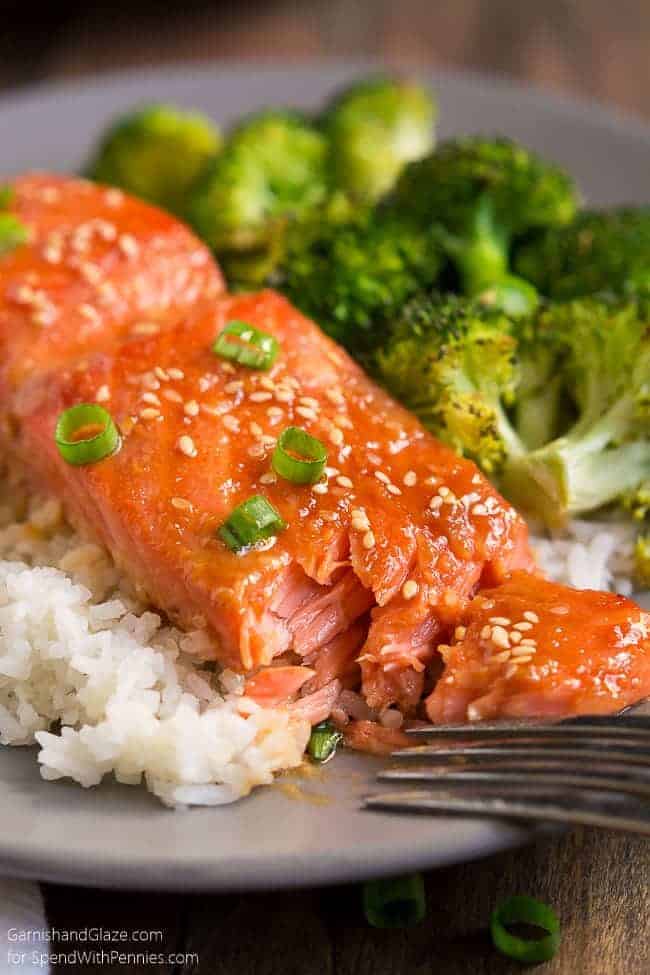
(149, 381)
(528, 642)
(393, 489)
(510, 670)
(335, 397)
(343, 421)
(182, 504)
(268, 478)
(161, 374)
(268, 441)
(382, 477)
(128, 245)
(320, 488)
(89, 312)
(260, 397)
(331, 471)
(257, 450)
(102, 394)
(231, 423)
(459, 632)
(410, 589)
(559, 610)
(305, 412)
(360, 524)
(114, 198)
(150, 398)
(172, 395)
(435, 503)
(515, 637)
(500, 620)
(149, 413)
(410, 479)
(336, 436)
(479, 509)
(227, 367)
(486, 632)
(175, 373)
(186, 446)
(368, 540)
(344, 482)
(500, 637)
(233, 386)
(444, 491)
(531, 617)
(145, 328)
(309, 401)
(283, 395)
(267, 383)
(255, 429)
(52, 254)
(191, 408)
(524, 660)
(523, 626)
(274, 413)
(502, 656)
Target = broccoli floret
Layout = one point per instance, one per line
(605, 250)
(156, 153)
(354, 276)
(642, 561)
(453, 362)
(375, 127)
(273, 166)
(486, 194)
(606, 451)
(512, 295)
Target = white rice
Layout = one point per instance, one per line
(104, 687)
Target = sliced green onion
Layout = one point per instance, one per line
(12, 233)
(251, 522)
(85, 434)
(525, 910)
(242, 343)
(6, 196)
(396, 902)
(323, 742)
(299, 457)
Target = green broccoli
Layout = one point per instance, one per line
(274, 166)
(605, 250)
(606, 451)
(353, 276)
(512, 295)
(156, 153)
(374, 128)
(485, 194)
(453, 362)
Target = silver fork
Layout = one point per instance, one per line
(593, 771)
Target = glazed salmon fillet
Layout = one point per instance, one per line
(99, 266)
(377, 558)
(534, 648)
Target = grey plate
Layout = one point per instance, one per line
(120, 836)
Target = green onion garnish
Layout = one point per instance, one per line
(85, 434)
(246, 345)
(525, 910)
(251, 522)
(12, 233)
(6, 196)
(299, 457)
(323, 742)
(396, 902)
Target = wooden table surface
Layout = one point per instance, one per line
(598, 882)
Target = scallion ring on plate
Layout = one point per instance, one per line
(298, 457)
(241, 342)
(396, 902)
(323, 742)
(85, 434)
(525, 910)
(13, 233)
(251, 522)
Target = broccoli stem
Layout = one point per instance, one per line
(481, 255)
(581, 471)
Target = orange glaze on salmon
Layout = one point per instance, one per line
(375, 558)
(99, 266)
(532, 647)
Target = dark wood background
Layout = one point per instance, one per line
(598, 883)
